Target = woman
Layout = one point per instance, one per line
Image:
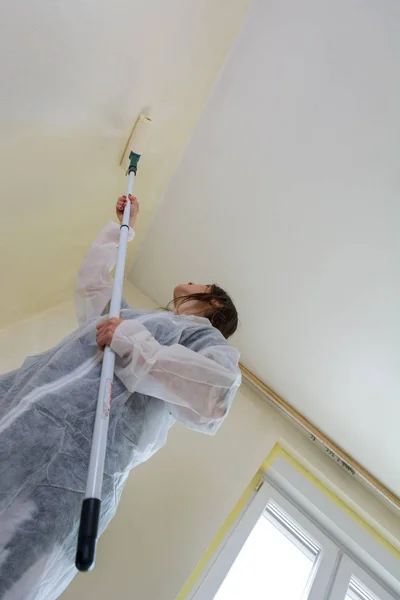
(170, 365)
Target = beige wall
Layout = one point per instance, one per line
(288, 196)
(173, 506)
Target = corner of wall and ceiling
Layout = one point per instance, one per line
(328, 446)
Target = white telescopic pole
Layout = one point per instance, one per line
(90, 513)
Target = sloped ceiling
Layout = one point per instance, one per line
(288, 195)
(74, 76)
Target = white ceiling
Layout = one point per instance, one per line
(74, 76)
(288, 195)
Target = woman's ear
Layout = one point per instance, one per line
(216, 303)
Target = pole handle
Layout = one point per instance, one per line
(87, 536)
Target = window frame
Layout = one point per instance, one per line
(348, 569)
(223, 559)
(353, 540)
(343, 541)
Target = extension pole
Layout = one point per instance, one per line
(90, 514)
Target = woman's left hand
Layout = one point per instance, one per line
(105, 332)
(121, 203)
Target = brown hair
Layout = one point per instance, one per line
(221, 311)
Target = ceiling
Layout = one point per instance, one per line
(288, 196)
(75, 76)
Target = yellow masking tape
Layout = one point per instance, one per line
(272, 456)
(219, 538)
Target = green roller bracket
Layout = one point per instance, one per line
(134, 159)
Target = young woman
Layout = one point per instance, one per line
(170, 365)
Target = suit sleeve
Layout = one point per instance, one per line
(93, 284)
(198, 386)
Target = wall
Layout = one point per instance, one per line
(173, 506)
(43, 330)
(288, 196)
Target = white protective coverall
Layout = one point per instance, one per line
(168, 368)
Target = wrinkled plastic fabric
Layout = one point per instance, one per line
(167, 368)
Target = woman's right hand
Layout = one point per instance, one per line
(121, 203)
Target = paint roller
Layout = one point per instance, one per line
(136, 143)
(91, 505)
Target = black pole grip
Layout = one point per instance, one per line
(87, 536)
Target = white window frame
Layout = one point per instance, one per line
(349, 536)
(347, 549)
(349, 569)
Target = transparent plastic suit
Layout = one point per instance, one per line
(168, 368)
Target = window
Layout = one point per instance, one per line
(356, 591)
(260, 569)
(352, 582)
(292, 543)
